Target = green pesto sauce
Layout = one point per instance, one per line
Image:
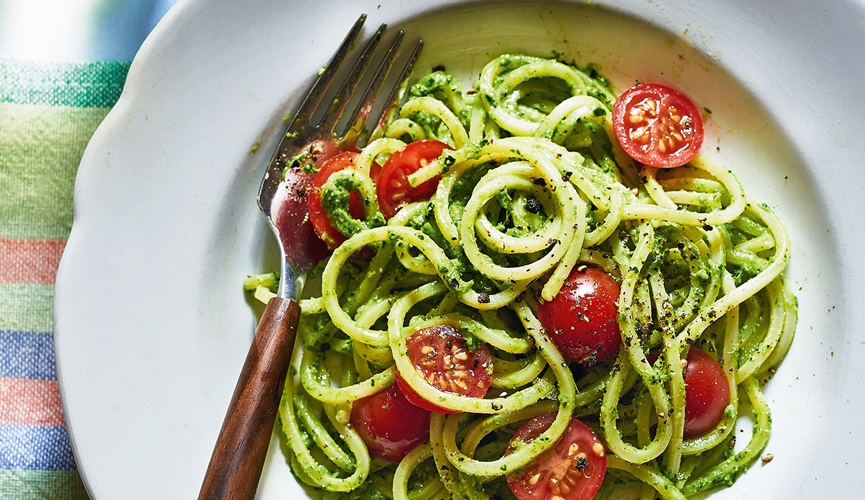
(335, 198)
(436, 81)
(304, 161)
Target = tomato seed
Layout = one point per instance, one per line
(598, 448)
(534, 479)
(573, 449)
(647, 105)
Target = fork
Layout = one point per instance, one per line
(238, 457)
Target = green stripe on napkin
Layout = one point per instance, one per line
(80, 85)
(41, 147)
(26, 308)
(34, 484)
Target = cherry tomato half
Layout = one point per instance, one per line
(706, 393)
(390, 425)
(441, 357)
(583, 318)
(325, 230)
(657, 125)
(302, 244)
(393, 189)
(573, 469)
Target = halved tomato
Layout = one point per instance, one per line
(325, 230)
(707, 393)
(393, 189)
(390, 425)
(657, 126)
(441, 357)
(582, 318)
(573, 469)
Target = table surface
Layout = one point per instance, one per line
(62, 66)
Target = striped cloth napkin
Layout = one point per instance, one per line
(48, 112)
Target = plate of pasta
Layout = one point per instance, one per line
(596, 253)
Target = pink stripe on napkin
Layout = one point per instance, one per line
(30, 402)
(30, 261)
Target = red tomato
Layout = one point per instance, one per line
(390, 425)
(583, 318)
(706, 393)
(325, 230)
(302, 244)
(657, 125)
(440, 356)
(393, 189)
(573, 469)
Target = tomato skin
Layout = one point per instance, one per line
(439, 352)
(572, 469)
(325, 230)
(393, 189)
(657, 126)
(707, 393)
(390, 425)
(302, 244)
(582, 318)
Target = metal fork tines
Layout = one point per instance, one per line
(340, 103)
(346, 105)
(333, 101)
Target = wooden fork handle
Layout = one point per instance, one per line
(238, 457)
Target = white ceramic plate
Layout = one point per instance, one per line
(152, 325)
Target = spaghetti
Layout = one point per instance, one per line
(535, 184)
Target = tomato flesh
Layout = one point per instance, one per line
(657, 125)
(439, 355)
(393, 189)
(572, 469)
(582, 318)
(390, 425)
(707, 393)
(325, 230)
